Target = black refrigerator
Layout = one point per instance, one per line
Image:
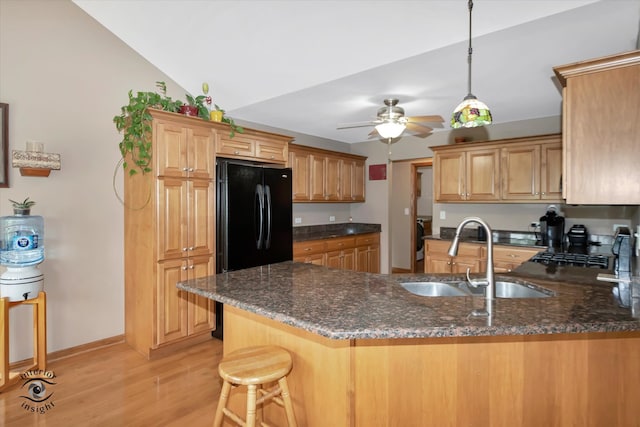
(253, 218)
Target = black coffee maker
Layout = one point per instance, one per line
(552, 228)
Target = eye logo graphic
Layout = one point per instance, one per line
(38, 387)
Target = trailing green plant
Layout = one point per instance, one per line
(134, 122)
(25, 204)
(228, 120)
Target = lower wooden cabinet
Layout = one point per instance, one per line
(437, 259)
(473, 256)
(357, 253)
(181, 314)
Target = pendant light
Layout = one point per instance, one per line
(471, 112)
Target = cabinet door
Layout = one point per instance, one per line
(200, 154)
(349, 259)
(437, 263)
(300, 164)
(483, 175)
(171, 315)
(346, 184)
(358, 181)
(460, 265)
(238, 146)
(521, 172)
(317, 177)
(200, 218)
(374, 259)
(172, 218)
(201, 310)
(170, 149)
(551, 171)
(601, 131)
(332, 178)
(449, 177)
(334, 259)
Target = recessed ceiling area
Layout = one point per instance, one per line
(308, 66)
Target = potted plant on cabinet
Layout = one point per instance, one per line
(134, 122)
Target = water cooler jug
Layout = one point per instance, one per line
(21, 250)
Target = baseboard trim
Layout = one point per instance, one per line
(398, 270)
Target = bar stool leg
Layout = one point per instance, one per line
(288, 405)
(222, 403)
(252, 390)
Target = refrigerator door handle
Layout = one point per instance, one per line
(258, 212)
(267, 194)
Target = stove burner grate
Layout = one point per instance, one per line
(572, 259)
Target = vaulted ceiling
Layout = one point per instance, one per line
(308, 66)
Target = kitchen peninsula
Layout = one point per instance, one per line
(369, 353)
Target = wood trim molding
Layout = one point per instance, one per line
(564, 72)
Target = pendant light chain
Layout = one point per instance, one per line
(470, 50)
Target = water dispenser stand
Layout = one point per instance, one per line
(39, 362)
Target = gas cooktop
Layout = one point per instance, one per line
(572, 259)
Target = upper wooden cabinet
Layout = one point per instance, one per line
(525, 169)
(532, 172)
(183, 151)
(254, 145)
(601, 130)
(326, 176)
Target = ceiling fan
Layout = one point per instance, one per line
(391, 122)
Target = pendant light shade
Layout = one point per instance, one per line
(470, 112)
(390, 129)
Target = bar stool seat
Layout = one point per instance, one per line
(253, 367)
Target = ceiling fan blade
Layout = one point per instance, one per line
(418, 128)
(432, 119)
(357, 124)
(373, 132)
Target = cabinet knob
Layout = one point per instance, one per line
(185, 169)
(307, 249)
(543, 193)
(184, 249)
(190, 169)
(191, 248)
(236, 152)
(184, 268)
(191, 267)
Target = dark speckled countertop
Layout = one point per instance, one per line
(341, 304)
(327, 231)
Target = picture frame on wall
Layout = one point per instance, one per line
(4, 145)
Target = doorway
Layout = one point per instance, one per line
(422, 203)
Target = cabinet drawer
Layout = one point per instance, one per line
(239, 145)
(271, 151)
(511, 254)
(308, 247)
(368, 239)
(340, 243)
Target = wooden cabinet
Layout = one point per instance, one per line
(326, 176)
(473, 256)
(601, 130)
(525, 169)
(341, 253)
(507, 258)
(437, 259)
(368, 253)
(170, 236)
(254, 145)
(471, 175)
(532, 172)
(357, 253)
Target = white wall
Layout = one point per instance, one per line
(65, 77)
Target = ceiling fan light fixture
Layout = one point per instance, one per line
(390, 129)
(471, 112)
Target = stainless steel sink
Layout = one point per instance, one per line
(435, 289)
(517, 290)
(504, 289)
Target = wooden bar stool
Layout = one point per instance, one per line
(253, 367)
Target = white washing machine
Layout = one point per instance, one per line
(419, 240)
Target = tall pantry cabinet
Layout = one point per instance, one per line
(169, 236)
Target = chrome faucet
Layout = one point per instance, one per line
(490, 282)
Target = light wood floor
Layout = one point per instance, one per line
(115, 386)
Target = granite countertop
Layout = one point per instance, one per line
(328, 231)
(342, 304)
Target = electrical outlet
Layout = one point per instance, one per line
(615, 226)
(443, 215)
(332, 218)
(297, 220)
